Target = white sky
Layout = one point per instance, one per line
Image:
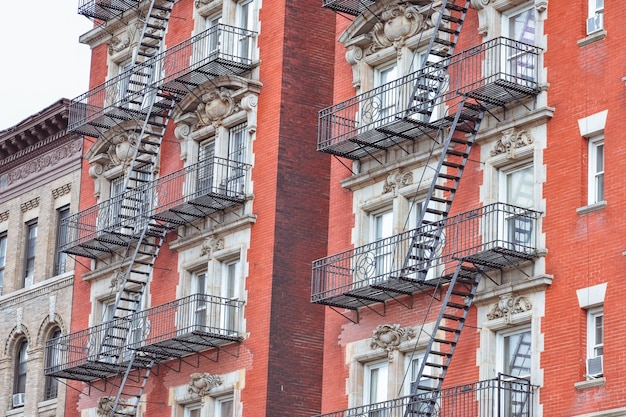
(41, 59)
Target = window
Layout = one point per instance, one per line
(375, 384)
(517, 189)
(229, 292)
(596, 170)
(519, 25)
(236, 176)
(212, 24)
(595, 341)
(193, 410)
(60, 258)
(386, 106)
(595, 16)
(514, 353)
(245, 21)
(19, 379)
(198, 286)
(3, 258)
(206, 167)
(382, 228)
(53, 359)
(29, 259)
(224, 407)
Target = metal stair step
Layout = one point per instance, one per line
(452, 6)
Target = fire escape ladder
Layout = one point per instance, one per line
(445, 335)
(447, 176)
(131, 388)
(448, 23)
(153, 31)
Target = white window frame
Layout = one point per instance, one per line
(595, 16)
(219, 401)
(519, 64)
(229, 291)
(381, 255)
(190, 409)
(60, 258)
(500, 349)
(595, 348)
(382, 383)
(30, 252)
(383, 105)
(3, 257)
(506, 231)
(595, 183)
(509, 17)
(245, 20)
(200, 313)
(511, 396)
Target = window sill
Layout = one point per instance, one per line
(594, 37)
(591, 208)
(597, 382)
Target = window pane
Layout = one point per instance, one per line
(225, 408)
(376, 380)
(31, 241)
(3, 254)
(62, 236)
(522, 27)
(20, 368)
(519, 187)
(53, 359)
(517, 354)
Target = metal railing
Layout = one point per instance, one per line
(494, 236)
(81, 355)
(353, 7)
(504, 396)
(214, 184)
(105, 9)
(220, 50)
(495, 73)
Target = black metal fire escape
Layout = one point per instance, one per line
(142, 235)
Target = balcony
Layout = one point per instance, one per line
(501, 396)
(105, 9)
(149, 88)
(173, 330)
(491, 74)
(177, 199)
(493, 236)
(352, 7)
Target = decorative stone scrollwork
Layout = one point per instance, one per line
(389, 336)
(215, 106)
(510, 141)
(397, 180)
(202, 383)
(508, 305)
(121, 152)
(211, 245)
(118, 43)
(397, 23)
(105, 406)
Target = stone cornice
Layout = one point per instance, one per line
(40, 289)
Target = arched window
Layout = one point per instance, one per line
(19, 379)
(52, 359)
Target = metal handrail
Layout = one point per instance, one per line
(496, 226)
(509, 64)
(216, 316)
(229, 46)
(502, 396)
(120, 215)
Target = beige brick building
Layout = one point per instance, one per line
(39, 184)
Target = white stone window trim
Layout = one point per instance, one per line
(231, 385)
(593, 171)
(592, 128)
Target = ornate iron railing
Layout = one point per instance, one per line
(220, 50)
(180, 197)
(494, 236)
(493, 73)
(81, 355)
(499, 397)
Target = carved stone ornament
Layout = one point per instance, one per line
(508, 305)
(389, 336)
(397, 180)
(201, 383)
(510, 141)
(210, 245)
(105, 406)
(121, 152)
(215, 106)
(118, 43)
(397, 23)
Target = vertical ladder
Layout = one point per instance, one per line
(443, 341)
(447, 176)
(144, 236)
(447, 28)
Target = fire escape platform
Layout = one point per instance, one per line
(408, 109)
(373, 273)
(173, 200)
(105, 10)
(220, 50)
(179, 328)
(351, 7)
